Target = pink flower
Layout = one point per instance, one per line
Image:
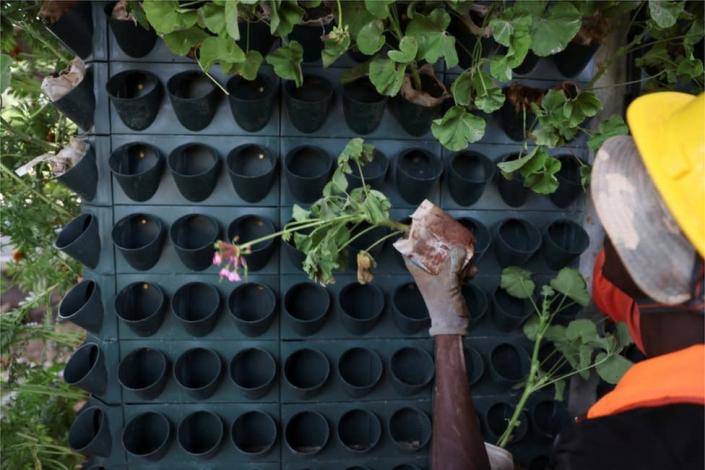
(233, 276)
(224, 273)
(217, 259)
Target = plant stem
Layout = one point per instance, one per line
(397, 226)
(41, 196)
(211, 77)
(415, 77)
(381, 240)
(317, 223)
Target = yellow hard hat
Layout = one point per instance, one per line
(669, 132)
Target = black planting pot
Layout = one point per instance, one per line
(198, 372)
(306, 433)
(307, 304)
(409, 308)
(132, 38)
(253, 371)
(374, 172)
(82, 306)
(359, 431)
(144, 371)
(195, 168)
(477, 303)
(474, 364)
(363, 107)
(90, 433)
(139, 237)
(483, 237)
(407, 466)
(465, 41)
(528, 65)
(509, 313)
(309, 36)
(86, 369)
(136, 95)
(194, 237)
(75, 29)
(509, 364)
(412, 370)
(417, 172)
(295, 256)
(563, 241)
(255, 36)
(79, 104)
(362, 306)
(147, 436)
(569, 187)
(365, 240)
(252, 169)
(80, 240)
(551, 359)
(496, 418)
(200, 434)
(251, 227)
(548, 418)
(468, 173)
(137, 167)
(82, 178)
(252, 101)
(540, 462)
(197, 305)
(141, 306)
(516, 240)
(307, 169)
(360, 370)
(410, 429)
(512, 191)
(306, 371)
(309, 104)
(194, 98)
(252, 307)
(515, 123)
(414, 118)
(254, 433)
(573, 59)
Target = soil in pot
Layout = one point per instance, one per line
(498, 415)
(575, 57)
(509, 364)
(374, 172)
(360, 370)
(416, 118)
(82, 178)
(306, 433)
(412, 370)
(516, 115)
(201, 433)
(195, 168)
(307, 170)
(363, 107)
(252, 101)
(83, 306)
(139, 237)
(410, 312)
(306, 371)
(255, 35)
(194, 98)
(196, 305)
(80, 240)
(563, 242)
(362, 306)
(252, 169)
(469, 172)
(512, 191)
(253, 371)
(137, 167)
(147, 436)
(417, 172)
(132, 37)
(90, 433)
(85, 369)
(483, 237)
(509, 313)
(569, 185)
(193, 237)
(73, 28)
(141, 306)
(516, 241)
(144, 372)
(309, 104)
(198, 372)
(410, 429)
(359, 430)
(254, 433)
(252, 307)
(252, 227)
(136, 96)
(477, 303)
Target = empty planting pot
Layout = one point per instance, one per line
(362, 306)
(139, 238)
(360, 370)
(483, 238)
(474, 364)
(194, 237)
(359, 430)
(363, 107)
(195, 168)
(136, 96)
(254, 433)
(252, 169)
(194, 98)
(75, 29)
(147, 436)
(144, 372)
(409, 308)
(468, 174)
(498, 415)
(548, 418)
(86, 369)
(569, 186)
(308, 105)
(477, 302)
(563, 241)
(82, 178)
(82, 305)
(133, 39)
(306, 433)
(509, 313)
(412, 370)
(200, 434)
(255, 36)
(306, 304)
(253, 307)
(517, 123)
(573, 59)
(414, 118)
(516, 240)
(198, 371)
(141, 306)
(252, 227)
(509, 364)
(80, 240)
(196, 305)
(306, 372)
(137, 167)
(374, 172)
(253, 371)
(410, 429)
(512, 191)
(79, 104)
(252, 101)
(307, 170)
(90, 433)
(417, 172)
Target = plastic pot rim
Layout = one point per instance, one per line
(126, 73)
(318, 353)
(370, 415)
(484, 160)
(307, 284)
(190, 73)
(211, 288)
(79, 220)
(213, 223)
(522, 357)
(322, 419)
(270, 421)
(272, 83)
(426, 357)
(397, 290)
(525, 302)
(582, 234)
(135, 285)
(474, 352)
(330, 92)
(211, 151)
(531, 230)
(318, 150)
(418, 412)
(263, 245)
(60, 312)
(372, 353)
(93, 366)
(236, 151)
(103, 422)
(269, 292)
(381, 98)
(214, 380)
(111, 160)
(164, 363)
(378, 155)
(378, 293)
(130, 217)
(431, 156)
(164, 421)
(211, 449)
(258, 350)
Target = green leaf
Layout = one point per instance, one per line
(582, 330)
(166, 17)
(231, 26)
(552, 31)
(585, 176)
(613, 368)
(355, 72)
(559, 390)
(181, 42)
(356, 16)
(462, 88)
(335, 44)
(665, 13)
(370, 39)
(531, 327)
(5, 64)
(508, 168)
(501, 31)
(249, 68)
(458, 128)
(285, 15)
(220, 49)
(286, 61)
(570, 283)
(540, 173)
(585, 353)
(213, 17)
(517, 282)
(387, 76)
(299, 214)
(376, 207)
(500, 69)
(488, 96)
(408, 48)
(433, 39)
(379, 8)
(610, 127)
